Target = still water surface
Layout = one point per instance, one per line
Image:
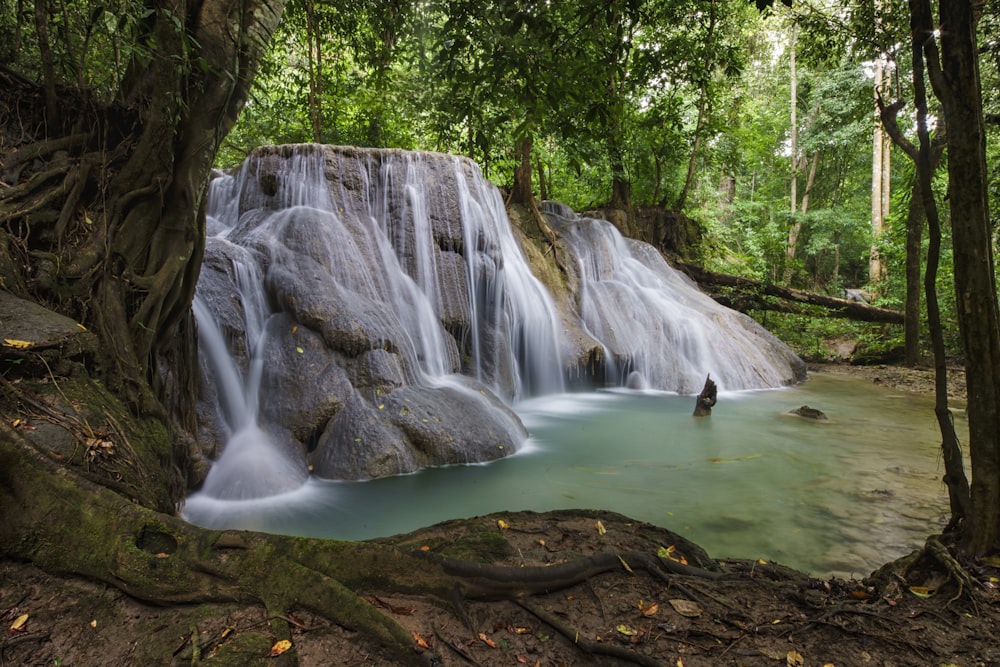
(839, 497)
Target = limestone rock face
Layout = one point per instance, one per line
(351, 287)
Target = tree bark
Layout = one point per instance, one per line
(522, 193)
(975, 285)
(955, 479)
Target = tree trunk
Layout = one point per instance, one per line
(521, 192)
(791, 247)
(315, 50)
(105, 217)
(975, 284)
(744, 294)
(880, 186)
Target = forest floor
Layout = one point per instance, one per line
(757, 613)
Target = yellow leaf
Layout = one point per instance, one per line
(280, 647)
(922, 591)
(794, 659)
(18, 344)
(625, 565)
(762, 561)
(295, 328)
(93, 623)
(486, 640)
(651, 609)
(600, 527)
(687, 608)
(992, 561)
(627, 631)
(381, 406)
(300, 350)
(19, 622)
(503, 524)
(81, 326)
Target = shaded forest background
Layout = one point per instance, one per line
(678, 113)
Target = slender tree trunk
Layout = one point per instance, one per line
(914, 235)
(975, 283)
(315, 73)
(791, 247)
(880, 187)
(695, 149)
(522, 193)
(794, 174)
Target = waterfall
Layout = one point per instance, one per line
(656, 329)
(368, 312)
(336, 279)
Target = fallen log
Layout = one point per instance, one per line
(746, 294)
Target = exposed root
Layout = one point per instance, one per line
(926, 565)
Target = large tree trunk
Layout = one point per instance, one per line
(106, 212)
(979, 320)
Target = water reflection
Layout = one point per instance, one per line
(835, 497)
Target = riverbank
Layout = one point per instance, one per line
(903, 378)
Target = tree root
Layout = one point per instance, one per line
(894, 577)
(585, 644)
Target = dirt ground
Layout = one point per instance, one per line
(739, 613)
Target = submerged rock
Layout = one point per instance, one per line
(809, 413)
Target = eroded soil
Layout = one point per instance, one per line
(751, 613)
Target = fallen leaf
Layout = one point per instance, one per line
(922, 591)
(794, 659)
(626, 630)
(93, 623)
(680, 662)
(18, 624)
(425, 548)
(18, 344)
(299, 350)
(992, 561)
(486, 640)
(503, 524)
(687, 608)
(421, 642)
(600, 527)
(226, 633)
(625, 565)
(651, 609)
(280, 647)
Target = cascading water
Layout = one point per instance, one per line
(381, 279)
(655, 327)
(360, 311)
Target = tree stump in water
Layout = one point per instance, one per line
(707, 398)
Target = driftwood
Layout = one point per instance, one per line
(707, 398)
(747, 294)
